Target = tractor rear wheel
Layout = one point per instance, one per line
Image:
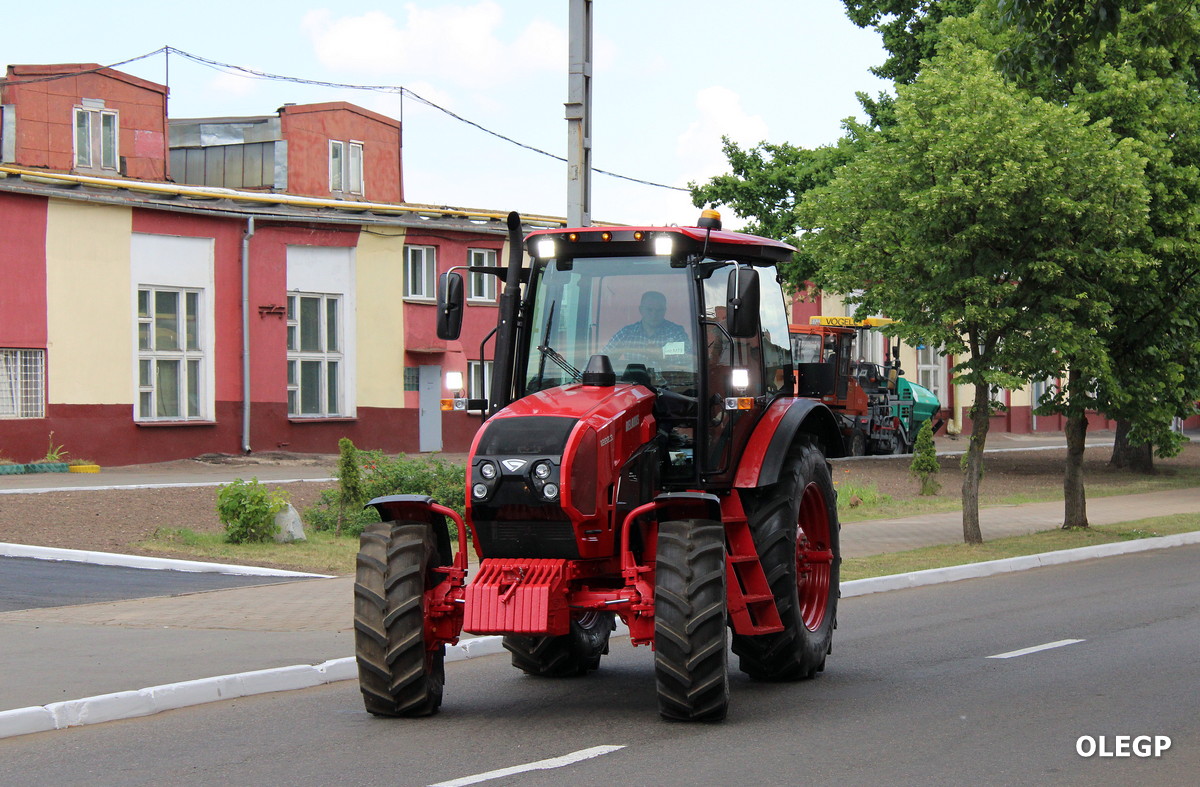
(397, 671)
(568, 655)
(795, 527)
(690, 661)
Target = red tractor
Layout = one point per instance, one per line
(644, 456)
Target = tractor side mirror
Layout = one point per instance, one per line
(742, 298)
(449, 305)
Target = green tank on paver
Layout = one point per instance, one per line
(924, 405)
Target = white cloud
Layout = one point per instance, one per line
(458, 44)
(233, 84)
(720, 114)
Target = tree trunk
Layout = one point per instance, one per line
(1075, 514)
(973, 469)
(1138, 457)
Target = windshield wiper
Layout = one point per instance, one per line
(549, 352)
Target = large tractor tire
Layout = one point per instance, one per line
(690, 661)
(795, 527)
(398, 674)
(569, 655)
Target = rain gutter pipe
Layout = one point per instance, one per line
(246, 334)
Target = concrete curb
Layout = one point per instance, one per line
(138, 561)
(41, 490)
(170, 696)
(156, 699)
(936, 576)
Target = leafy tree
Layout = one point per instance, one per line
(1142, 79)
(767, 181)
(1012, 213)
(908, 29)
(1054, 34)
(1135, 64)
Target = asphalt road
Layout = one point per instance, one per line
(913, 695)
(28, 583)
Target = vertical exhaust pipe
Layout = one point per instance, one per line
(503, 366)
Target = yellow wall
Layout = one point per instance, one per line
(89, 314)
(379, 266)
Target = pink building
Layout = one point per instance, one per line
(125, 327)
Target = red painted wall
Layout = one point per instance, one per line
(804, 307)
(22, 271)
(308, 128)
(45, 117)
(420, 318)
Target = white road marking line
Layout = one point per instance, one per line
(1026, 651)
(540, 765)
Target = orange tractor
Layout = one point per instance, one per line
(878, 410)
(644, 455)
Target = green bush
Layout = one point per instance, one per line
(350, 483)
(924, 464)
(248, 509)
(376, 475)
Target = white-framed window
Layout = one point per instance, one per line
(481, 286)
(22, 383)
(931, 370)
(479, 379)
(314, 363)
(96, 136)
(420, 272)
(346, 167)
(171, 358)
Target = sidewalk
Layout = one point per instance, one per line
(66, 653)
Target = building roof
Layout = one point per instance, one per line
(209, 200)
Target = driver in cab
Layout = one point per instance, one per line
(650, 340)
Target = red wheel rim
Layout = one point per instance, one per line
(814, 559)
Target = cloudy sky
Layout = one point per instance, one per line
(670, 77)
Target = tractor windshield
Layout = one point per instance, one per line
(639, 311)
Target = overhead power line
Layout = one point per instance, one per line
(393, 89)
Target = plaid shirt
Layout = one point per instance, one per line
(633, 345)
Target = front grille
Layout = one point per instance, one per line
(526, 436)
(530, 539)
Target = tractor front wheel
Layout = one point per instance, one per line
(795, 529)
(569, 655)
(399, 674)
(690, 662)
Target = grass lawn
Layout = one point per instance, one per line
(1014, 546)
(874, 505)
(322, 553)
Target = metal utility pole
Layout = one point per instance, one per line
(579, 116)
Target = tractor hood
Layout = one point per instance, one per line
(581, 402)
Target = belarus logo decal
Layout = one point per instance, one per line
(513, 465)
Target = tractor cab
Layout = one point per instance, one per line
(659, 321)
(679, 312)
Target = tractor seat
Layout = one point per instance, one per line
(636, 373)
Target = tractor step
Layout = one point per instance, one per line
(751, 602)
